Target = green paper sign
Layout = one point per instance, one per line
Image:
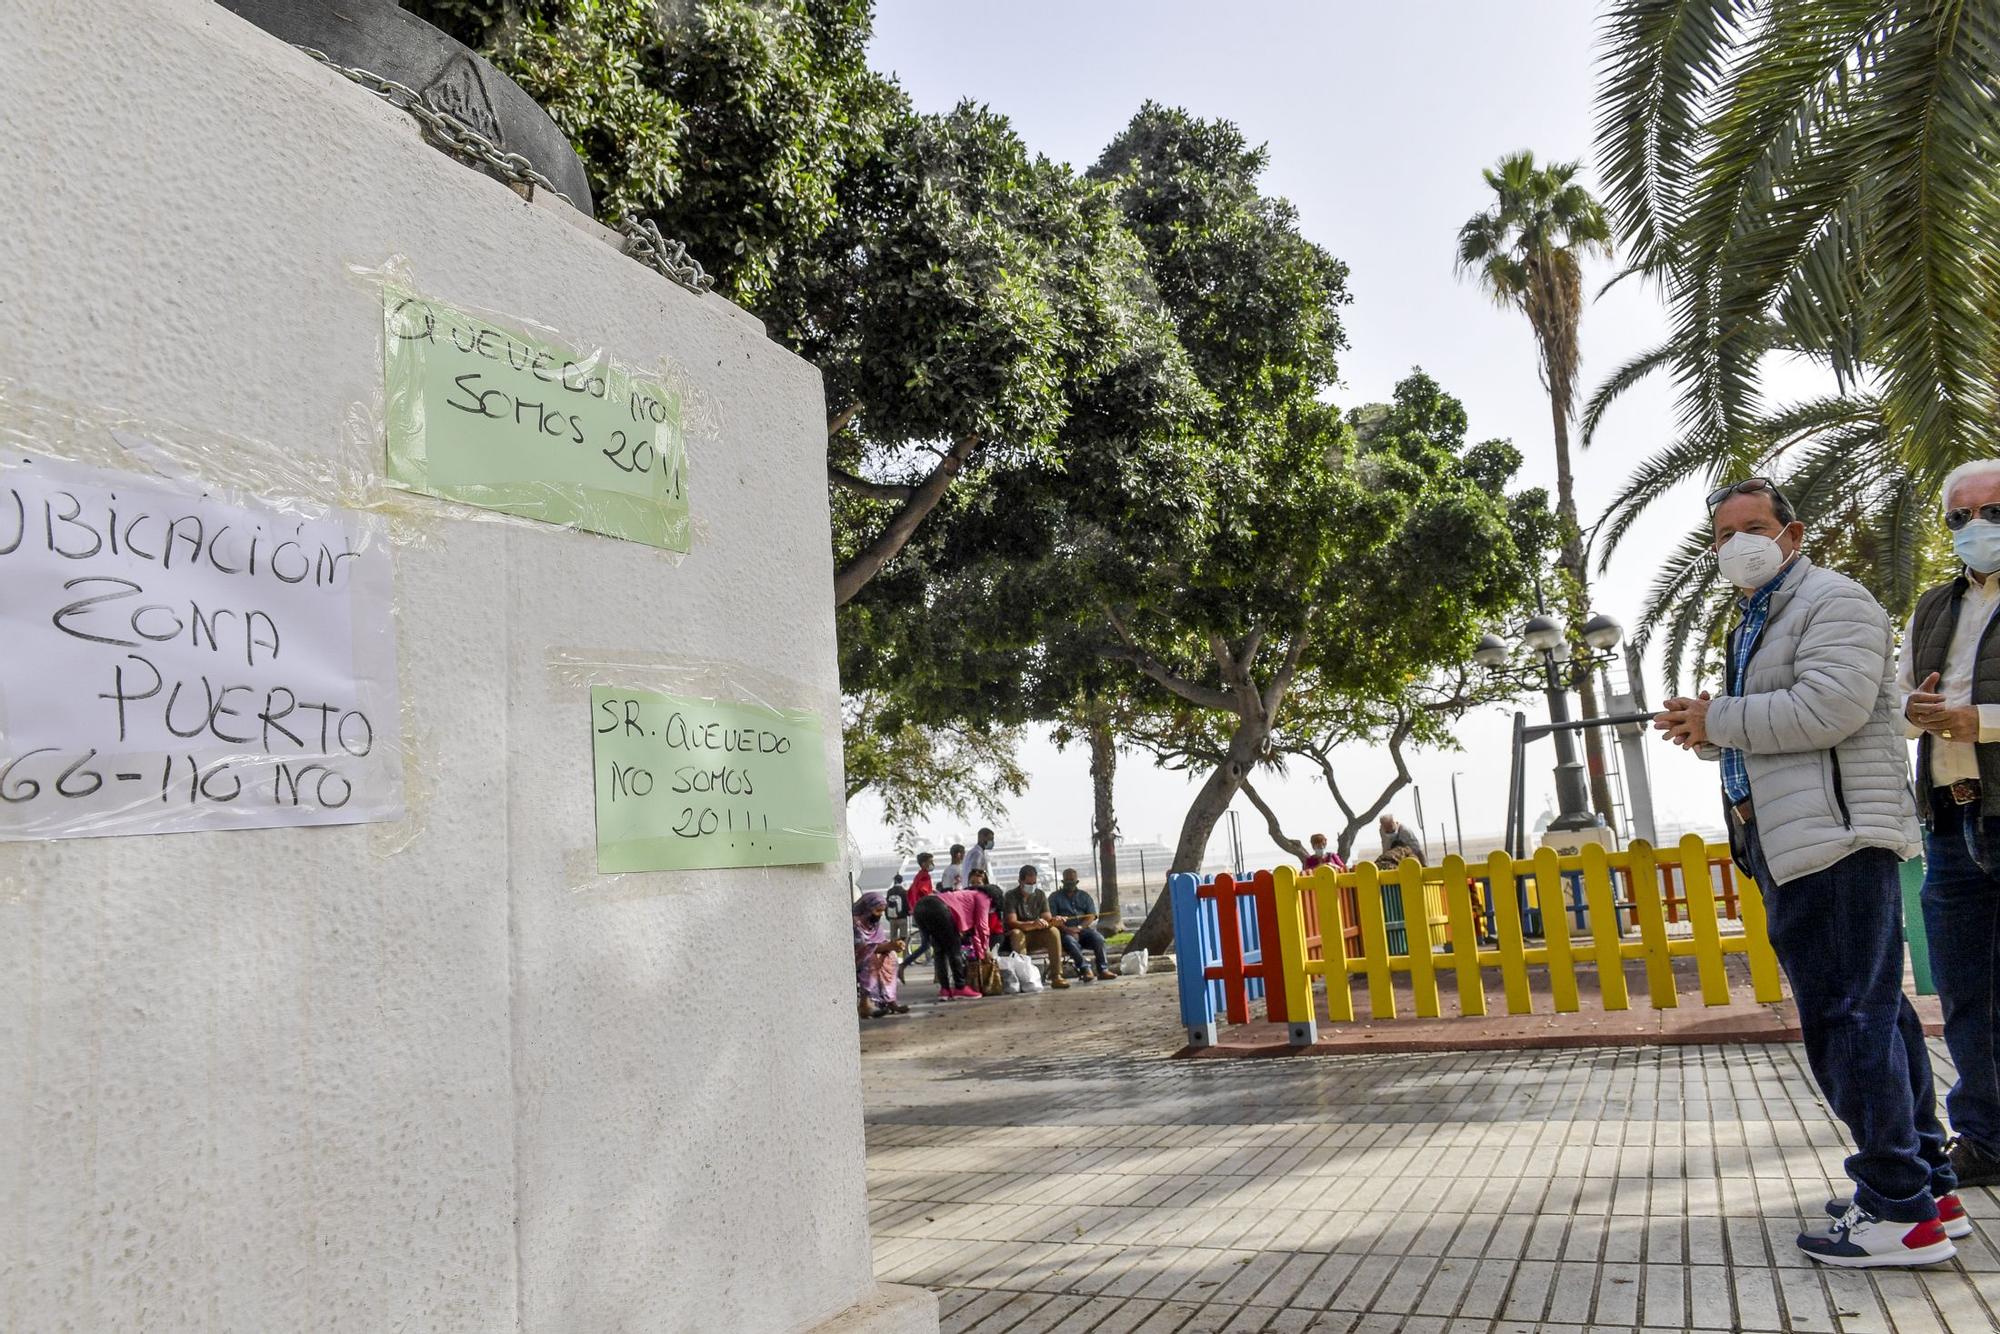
(688, 784)
(491, 417)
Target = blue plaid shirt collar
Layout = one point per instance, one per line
(1756, 610)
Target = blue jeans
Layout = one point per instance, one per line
(1962, 917)
(1838, 933)
(1074, 945)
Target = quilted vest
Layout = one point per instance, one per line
(1930, 640)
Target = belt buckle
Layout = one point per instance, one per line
(1965, 791)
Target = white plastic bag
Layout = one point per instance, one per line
(1017, 974)
(1132, 963)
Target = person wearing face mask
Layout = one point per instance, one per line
(1815, 777)
(979, 856)
(875, 977)
(1950, 686)
(1320, 856)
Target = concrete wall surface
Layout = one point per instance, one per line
(303, 1079)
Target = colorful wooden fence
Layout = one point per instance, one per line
(1268, 935)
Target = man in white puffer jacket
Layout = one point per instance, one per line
(1815, 775)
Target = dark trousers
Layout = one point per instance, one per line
(935, 921)
(1074, 946)
(1838, 934)
(1962, 918)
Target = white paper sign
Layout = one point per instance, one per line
(170, 661)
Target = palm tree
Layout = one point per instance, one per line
(1527, 252)
(1820, 179)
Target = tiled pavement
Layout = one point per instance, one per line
(1041, 1163)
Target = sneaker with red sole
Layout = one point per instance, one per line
(969, 993)
(1951, 1214)
(1860, 1240)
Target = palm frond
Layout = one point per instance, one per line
(1660, 65)
(1616, 383)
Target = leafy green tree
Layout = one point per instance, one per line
(1809, 179)
(1356, 571)
(913, 769)
(1527, 251)
(728, 122)
(964, 298)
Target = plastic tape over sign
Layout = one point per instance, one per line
(201, 637)
(699, 765)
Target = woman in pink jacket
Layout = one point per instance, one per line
(955, 923)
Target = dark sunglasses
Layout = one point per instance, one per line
(1957, 519)
(1749, 486)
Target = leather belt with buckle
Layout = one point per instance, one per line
(1965, 792)
(1744, 814)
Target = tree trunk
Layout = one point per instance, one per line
(1575, 566)
(1157, 934)
(1103, 818)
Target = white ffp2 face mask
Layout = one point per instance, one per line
(1748, 560)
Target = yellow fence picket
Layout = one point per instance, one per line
(1374, 941)
(1464, 938)
(1353, 923)
(1417, 935)
(1701, 912)
(1757, 939)
(1292, 945)
(1507, 926)
(1333, 944)
(1554, 904)
(1604, 928)
(1649, 907)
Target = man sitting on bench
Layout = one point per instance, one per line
(1076, 917)
(1030, 927)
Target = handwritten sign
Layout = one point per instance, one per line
(491, 417)
(685, 784)
(174, 662)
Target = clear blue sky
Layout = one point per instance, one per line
(1379, 119)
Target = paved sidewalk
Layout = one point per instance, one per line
(1043, 1165)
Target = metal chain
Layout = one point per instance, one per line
(644, 243)
(447, 132)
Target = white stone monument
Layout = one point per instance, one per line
(433, 1073)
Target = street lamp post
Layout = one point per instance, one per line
(1544, 636)
(1457, 820)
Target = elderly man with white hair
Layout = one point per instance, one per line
(1950, 681)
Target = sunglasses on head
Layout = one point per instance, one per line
(1749, 486)
(1957, 519)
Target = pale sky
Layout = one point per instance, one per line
(1379, 118)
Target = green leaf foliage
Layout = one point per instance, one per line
(728, 122)
(1821, 178)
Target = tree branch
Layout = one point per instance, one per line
(1274, 694)
(1248, 662)
(1333, 786)
(1206, 697)
(861, 486)
(1357, 822)
(852, 577)
(1242, 685)
(840, 420)
(1291, 845)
